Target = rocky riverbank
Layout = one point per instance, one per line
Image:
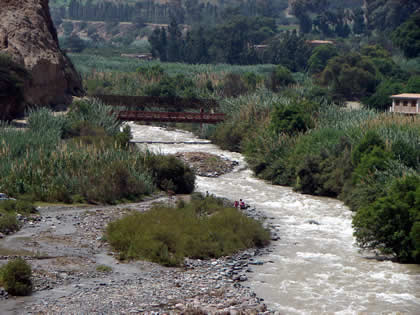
(207, 164)
(76, 272)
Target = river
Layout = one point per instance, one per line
(314, 268)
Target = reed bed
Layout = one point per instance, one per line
(85, 63)
(42, 164)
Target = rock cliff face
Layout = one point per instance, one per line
(28, 35)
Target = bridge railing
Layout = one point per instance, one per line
(157, 101)
(129, 115)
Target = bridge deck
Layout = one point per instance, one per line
(130, 115)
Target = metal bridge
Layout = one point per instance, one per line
(132, 109)
(206, 118)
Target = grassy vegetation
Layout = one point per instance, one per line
(103, 268)
(126, 76)
(204, 228)
(80, 157)
(85, 63)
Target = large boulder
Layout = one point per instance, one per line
(28, 36)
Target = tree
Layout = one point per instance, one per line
(413, 84)
(391, 224)
(359, 26)
(289, 50)
(174, 41)
(351, 76)
(384, 15)
(320, 56)
(381, 98)
(159, 44)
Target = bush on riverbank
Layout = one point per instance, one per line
(15, 277)
(170, 173)
(80, 157)
(392, 222)
(8, 211)
(203, 228)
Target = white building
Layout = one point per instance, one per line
(407, 103)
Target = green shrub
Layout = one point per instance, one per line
(279, 78)
(319, 58)
(171, 173)
(391, 223)
(366, 145)
(168, 86)
(15, 277)
(201, 229)
(288, 120)
(8, 223)
(103, 268)
(381, 98)
(19, 206)
(375, 160)
(229, 135)
(94, 113)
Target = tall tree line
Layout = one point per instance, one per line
(186, 11)
(232, 42)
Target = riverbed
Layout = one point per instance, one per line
(316, 267)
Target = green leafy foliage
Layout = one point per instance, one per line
(19, 206)
(15, 277)
(8, 222)
(407, 36)
(292, 118)
(319, 58)
(413, 84)
(204, 228)
(369, 142)
(81, 157)
(353, 155)
(290, 50)
(391, 223)
(381, 98)
(350, 76)
(281, 77)
(170, 173)
(173, 86)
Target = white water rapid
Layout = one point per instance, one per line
(313, 269)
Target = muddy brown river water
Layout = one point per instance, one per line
(315, 268)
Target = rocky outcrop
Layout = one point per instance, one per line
(28, 36)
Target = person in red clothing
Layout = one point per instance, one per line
(236, 204)
(241, 204)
